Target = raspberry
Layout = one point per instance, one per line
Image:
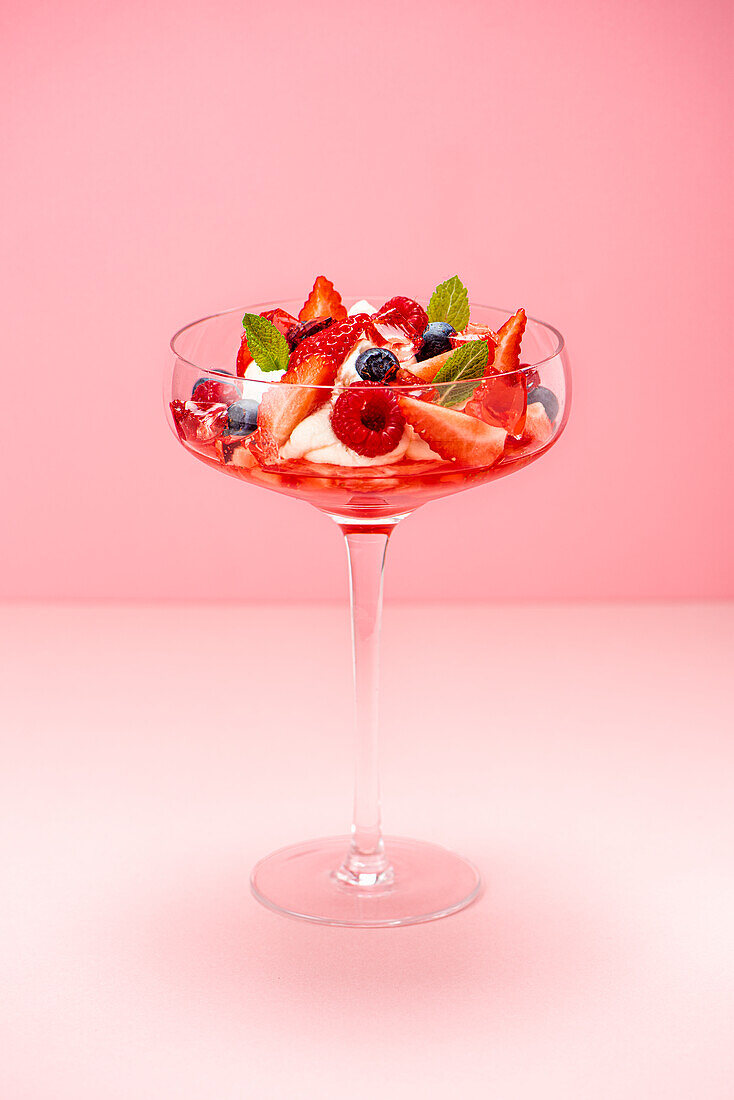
(403, 313)
(207, 391)
(367, 418)
(337, 340)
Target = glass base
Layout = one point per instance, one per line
(302, 881)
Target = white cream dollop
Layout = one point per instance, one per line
(312, 433)
(362, 306)
(255, 390)
(315, 440)
(340, 455)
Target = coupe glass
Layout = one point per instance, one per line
(365, 879)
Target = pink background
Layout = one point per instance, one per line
(166, 160)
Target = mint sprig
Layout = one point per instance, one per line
(465, 367)
(450, 302)
(268, 347)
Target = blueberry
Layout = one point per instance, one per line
(242, 417)
(436, 339)
(376, 364)
(547, 398)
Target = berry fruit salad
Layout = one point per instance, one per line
(374, 409)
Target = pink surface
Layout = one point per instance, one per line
(599, 963)
(167, 160)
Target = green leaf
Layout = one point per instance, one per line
(465, 367)
(268, 347)
(450, 302)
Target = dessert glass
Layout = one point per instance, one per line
(365, 879)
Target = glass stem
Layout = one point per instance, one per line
(366, 863)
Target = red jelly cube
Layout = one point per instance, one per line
(502, 400)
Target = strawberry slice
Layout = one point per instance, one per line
(538, 428)
(509, 338)
(323, 301)
(454, 435)
(282, 320)
(538, 431)
(429, 368)
(288, 402)
(243, 357)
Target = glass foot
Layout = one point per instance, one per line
(302, 881)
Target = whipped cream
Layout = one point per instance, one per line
(314, 439)
(362, 306)
(256, 376)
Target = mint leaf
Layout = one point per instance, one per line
(268, 347)
(464, 367)
(450, 302)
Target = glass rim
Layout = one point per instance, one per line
(219, 375)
